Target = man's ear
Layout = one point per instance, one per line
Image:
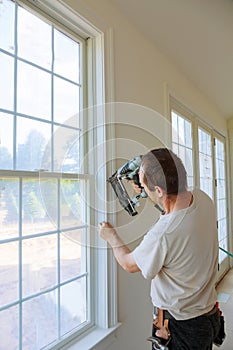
(159, 191)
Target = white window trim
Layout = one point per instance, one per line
(103, 264)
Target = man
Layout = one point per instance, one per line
(179, 254)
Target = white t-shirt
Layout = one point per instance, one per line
(180, 256)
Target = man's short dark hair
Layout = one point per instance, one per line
(161, 167)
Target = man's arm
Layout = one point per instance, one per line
(122, 253)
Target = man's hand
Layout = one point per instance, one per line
(136, 188)
(121, 252)
(106, 231)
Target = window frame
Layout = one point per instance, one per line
(102, 262)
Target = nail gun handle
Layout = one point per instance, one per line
(137, 182)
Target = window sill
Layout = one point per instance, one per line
(98, 339)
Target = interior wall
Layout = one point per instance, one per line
(143, 76)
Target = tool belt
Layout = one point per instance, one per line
(161, 333)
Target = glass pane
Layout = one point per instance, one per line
(189, 161)
(9, 283)
(6, 82)
(66, 150)
(221, 189)
(174, 127)
(72, 203)
(184, 147)
(73, 305)
(223, 244)
(73, 254)
(219, 150)
(34, 39)
(39, 264)
(220, 169)
(9, 208)
(7, 25)
(222, 229)
(190, 182)
(205, 162)
(221, 198)
(6, 141)
(66, 101)
(48, 193)
(188, 134)
(32, 139)
(66, 56)
(39, 321)
(9, 325)
(34, 91)
(35, 215)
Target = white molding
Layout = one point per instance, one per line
(64, 14)
(98, 339)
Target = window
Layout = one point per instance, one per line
(191, 137)
(182, 143)
(47, 274)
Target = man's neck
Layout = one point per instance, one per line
(177, 202)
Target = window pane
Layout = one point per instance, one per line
(34, 39)
(73, 305)
(36, 218)
(182, 144)
(39, 264)
(9, 325)
(205, 162)
(66, 150)
(7, 25)
(73, 254)
(66, 56)
(34, 91)
(32, 139)
(6, 141)
(9, 279)
(221, 197)
(48, 192)
(9, 208)
(188, 134)
(174, 127)
(72, 203)
(39, 321)
(6, 82)
(66, 101)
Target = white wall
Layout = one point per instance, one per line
(143, 76)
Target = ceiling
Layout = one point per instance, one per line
(197, 35)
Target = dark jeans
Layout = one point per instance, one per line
(194, 334)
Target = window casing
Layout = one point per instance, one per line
(45, 187)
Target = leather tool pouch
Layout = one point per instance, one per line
(160, 332)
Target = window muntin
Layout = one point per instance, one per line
(44, 218)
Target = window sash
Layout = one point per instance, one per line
(102, 264)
